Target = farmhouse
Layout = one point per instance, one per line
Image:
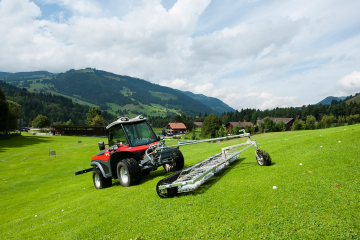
(198, 124)
(242, 125)
(176, 128)
(288, 122)
(78, 130)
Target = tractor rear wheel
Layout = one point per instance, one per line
(262, 157)
(99, 180)
(177, 163)
(128, 172)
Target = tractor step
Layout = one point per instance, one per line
(84, 171)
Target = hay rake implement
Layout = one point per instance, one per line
(189, 179)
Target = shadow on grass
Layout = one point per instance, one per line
(21, 141)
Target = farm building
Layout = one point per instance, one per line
(176, 128)
(198, 124)
(78, 130)
(288, 121)
(242, 125)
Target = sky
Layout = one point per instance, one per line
(248, 53)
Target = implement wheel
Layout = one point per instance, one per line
(169, 192)
(262, 157)
(128, 172)
(99, 180)
(177, 163)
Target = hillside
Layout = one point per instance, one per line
(119, 95)
(56, 108)
(214, 103)
(327, 100)
(354, 99)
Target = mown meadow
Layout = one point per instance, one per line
(316, 174)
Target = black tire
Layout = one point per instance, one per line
(170, 192)
(177, 164)
(99, 180)
(263, 158)
(128, 172)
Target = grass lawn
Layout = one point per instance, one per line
(41, 197)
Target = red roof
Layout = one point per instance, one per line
(178, 126)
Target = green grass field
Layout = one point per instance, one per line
(41, 197)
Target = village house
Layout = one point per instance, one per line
(176, 128)
(242, 125)
(198, 124)
(79, 130)
(288, 121)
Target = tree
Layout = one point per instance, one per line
(310, 122)
(14, 110)
(91, 114)
(14, 115)
(98, 120)
(40, 121)
(69, 122)
(4, 109)
(210, 126)
(221, 132)
(235, 130)
(177, 119)
(268, 124)
(193, 137)
(280, 126)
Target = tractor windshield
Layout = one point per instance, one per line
(139, 133)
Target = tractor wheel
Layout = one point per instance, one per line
(129, 172)
(99, 180)
(177, 164)
(262, 157)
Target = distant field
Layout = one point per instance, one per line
(41, 197)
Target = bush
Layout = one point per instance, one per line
(297, 125)
(310, 122)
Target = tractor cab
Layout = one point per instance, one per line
(130, 132)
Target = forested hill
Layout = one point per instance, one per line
(214, 103)
(56, 108)
(100, 88)
(329, 99)
(7, 77)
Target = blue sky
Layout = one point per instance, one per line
(248, 53)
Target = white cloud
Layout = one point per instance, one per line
(263, 55)
(350, 83)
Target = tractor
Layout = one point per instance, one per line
(133, 151)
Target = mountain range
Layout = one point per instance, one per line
(118, 94)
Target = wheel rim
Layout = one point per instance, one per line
(97, 180)
(124, 175)
(260, 159)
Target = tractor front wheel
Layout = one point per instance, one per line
(99, 180)
(129, 172)
(177, 163)
(262, 157)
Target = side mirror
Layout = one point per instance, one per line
(101, 146)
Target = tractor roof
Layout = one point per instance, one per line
(125, 120)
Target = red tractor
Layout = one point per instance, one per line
(133, 151)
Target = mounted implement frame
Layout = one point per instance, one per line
(189, 179)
